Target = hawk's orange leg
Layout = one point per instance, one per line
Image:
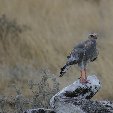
(83, 78)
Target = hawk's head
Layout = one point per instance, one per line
(92, 36)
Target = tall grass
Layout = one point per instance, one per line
(43, 34)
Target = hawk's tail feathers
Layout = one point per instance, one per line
(64, 70)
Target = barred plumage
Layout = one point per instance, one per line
(82, 54)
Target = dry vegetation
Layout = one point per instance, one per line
(41, 91)
(36, 34)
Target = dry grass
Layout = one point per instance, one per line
(41, 93)
(55, 26)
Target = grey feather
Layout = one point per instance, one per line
(83, 53)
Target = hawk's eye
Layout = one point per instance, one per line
(68, 56)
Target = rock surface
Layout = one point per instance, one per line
(75, 98)
(77, 90)
(39, 110)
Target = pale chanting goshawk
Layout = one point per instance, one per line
(82, 54)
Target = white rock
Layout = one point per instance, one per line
(78, 90)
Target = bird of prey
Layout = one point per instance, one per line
(82, 54)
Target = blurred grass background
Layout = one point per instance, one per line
(54, 27)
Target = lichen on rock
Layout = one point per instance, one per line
(75, 98)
